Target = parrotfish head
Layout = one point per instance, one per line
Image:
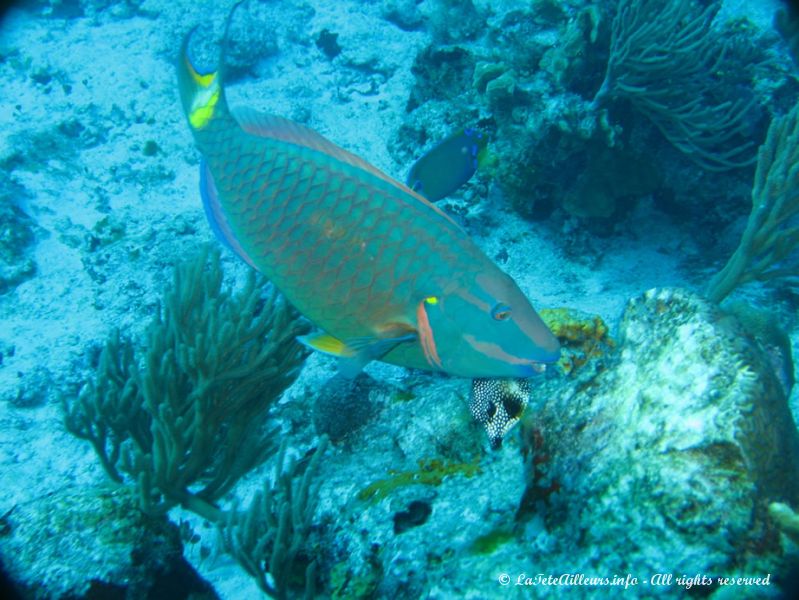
(485, 329)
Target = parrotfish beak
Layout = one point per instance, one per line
(531, 369)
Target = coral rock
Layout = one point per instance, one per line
(684, 441)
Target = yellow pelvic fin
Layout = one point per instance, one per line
(327, 344)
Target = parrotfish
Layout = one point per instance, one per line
(383, 273)
(448, 165)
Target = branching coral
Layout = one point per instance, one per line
(769, 243)
(187, 422)
(270, 536)
(664, 59)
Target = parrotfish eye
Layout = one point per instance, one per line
(501, 312)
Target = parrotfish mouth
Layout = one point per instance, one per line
(532, 368)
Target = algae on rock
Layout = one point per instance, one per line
(685, 440)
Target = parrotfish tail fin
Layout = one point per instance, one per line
(203, 94)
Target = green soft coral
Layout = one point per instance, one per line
(185, 419)
(271, 536)
(665, 59)
(768, 246)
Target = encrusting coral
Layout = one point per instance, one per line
(582, 337)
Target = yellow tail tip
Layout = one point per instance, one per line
(200, 92)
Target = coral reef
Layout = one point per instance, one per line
(194, 413)
(665, 459)
(667, 447)
(682, 101)
(695, 437)
(663, 56)
(768, 245)
(271, 536)
(81, 542)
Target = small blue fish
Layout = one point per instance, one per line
(448, 165)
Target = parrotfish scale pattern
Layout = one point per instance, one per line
(349, 248)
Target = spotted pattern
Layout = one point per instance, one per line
(498, 404)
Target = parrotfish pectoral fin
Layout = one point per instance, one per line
(356, 353)
(215, 214)
(369, 349)
(327, 344)
(377, 347)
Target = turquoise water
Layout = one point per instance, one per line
(163, 435)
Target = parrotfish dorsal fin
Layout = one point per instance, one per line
(274, 127)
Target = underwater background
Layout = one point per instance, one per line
(162, 433)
